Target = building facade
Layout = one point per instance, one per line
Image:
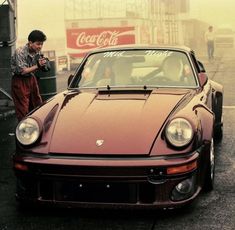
(92, 24)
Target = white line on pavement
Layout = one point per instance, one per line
(229, 107)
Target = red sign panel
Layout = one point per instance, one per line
(80, 41)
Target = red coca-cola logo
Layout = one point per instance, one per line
(81, 40)
(105, 38)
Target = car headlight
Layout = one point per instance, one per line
(179, 132)
(27, 131)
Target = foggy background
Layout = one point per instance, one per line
(215, 12)
(50, 17)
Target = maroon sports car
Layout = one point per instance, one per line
(135, 128)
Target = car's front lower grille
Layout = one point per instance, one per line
(98, 192)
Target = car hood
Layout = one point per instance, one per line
(114, 123)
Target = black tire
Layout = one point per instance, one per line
(210, 169)
(217, 108)
(218, 132)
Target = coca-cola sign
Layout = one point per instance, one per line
(80, 41)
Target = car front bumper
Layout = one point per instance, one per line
(105, 182)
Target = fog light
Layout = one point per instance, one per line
(184, 189)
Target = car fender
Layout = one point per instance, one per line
(206, 118)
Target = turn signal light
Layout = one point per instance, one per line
(182, 169)
(21, 167)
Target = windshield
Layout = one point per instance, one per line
(128, 68)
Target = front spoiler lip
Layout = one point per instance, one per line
(108, 162)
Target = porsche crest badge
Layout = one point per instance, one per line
(99, 142)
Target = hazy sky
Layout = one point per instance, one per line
(48, 15)
(216, 12)
(45, 15)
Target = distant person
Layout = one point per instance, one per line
(24, 63)
(210, 40)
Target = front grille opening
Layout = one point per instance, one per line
(96, 192)
(46, 190)
(147, 193)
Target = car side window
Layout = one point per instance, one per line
(201, 67)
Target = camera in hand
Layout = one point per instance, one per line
(47, 66)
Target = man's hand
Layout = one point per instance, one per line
(41, 62)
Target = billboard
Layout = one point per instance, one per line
(82, 40)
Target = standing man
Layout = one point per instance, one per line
(24, 63)
(210, 40)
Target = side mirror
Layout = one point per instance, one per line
(70, 79)
(203, 78)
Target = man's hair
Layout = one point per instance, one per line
(37, 35)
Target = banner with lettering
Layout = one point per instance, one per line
(82, 40)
